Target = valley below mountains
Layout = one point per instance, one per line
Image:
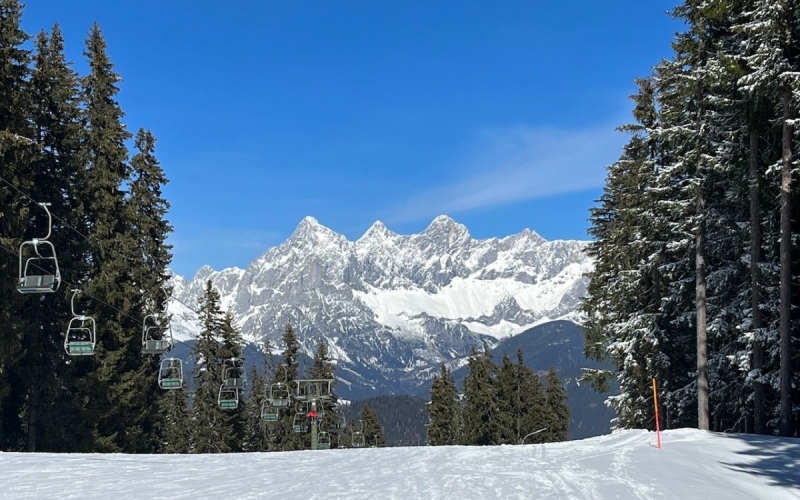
(393, 307)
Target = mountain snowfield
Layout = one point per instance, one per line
(398, 303)
(625, 465)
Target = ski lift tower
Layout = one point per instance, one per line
(314, 392)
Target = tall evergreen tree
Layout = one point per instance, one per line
(111, 403)
(232, 347)
(211, 434)
(55, 113)
(481, 418)
(322, 368)
(255, 435)
(508, 402)
(558, 408)
(373, 432)
(16, 151)
(283, 437)
(443, 409)
(624, 303)
(711, 158)
(146, 208)
(174, 424)
(531, 411)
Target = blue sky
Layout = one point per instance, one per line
(498, 114)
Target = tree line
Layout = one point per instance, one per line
(194, 422)
(505, 404)
(695, 232)
(62, 142)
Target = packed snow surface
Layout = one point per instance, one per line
(692, 464)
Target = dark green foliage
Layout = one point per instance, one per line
(529, 408)
(56, 167)
(215, 430)
(282, 436)
(482, 416)
(401, 417)
(174, 425)
(499, 405)
(255, 430)
(119, 386)
(556, 418)
(15, 156)
(322, 368)
(443, 410)
(62, 142)
(690, 276)
(371, 427)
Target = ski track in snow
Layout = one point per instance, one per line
(624, 465)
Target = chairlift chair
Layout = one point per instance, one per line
(233, 373)
(269, 413)
(279, 396)
(323, 440)
(38, 272)
(81, 335)
(228, 399)
(170, 373)
(300, 422)
(156, 339)
(358, 439)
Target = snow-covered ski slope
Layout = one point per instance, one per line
(624, 465)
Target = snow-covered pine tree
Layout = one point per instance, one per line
(623, 305)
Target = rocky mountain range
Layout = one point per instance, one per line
(393, 307)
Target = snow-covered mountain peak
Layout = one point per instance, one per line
(443, 223)
(311, 232)
(203, 273)
(397, 305)
(377, 230)
(442, 235)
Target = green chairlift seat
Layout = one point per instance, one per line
(156, 338)
(300, 422)
(323, 440)
(38, 272)
(228, 399)
(269, 413)
(233, 373)
(79, 348)
(170, 374)
(81, 335)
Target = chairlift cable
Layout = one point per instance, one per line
(71, 286)
(65, 223)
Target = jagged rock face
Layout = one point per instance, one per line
(393, 305)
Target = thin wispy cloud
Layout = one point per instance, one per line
(519, 164)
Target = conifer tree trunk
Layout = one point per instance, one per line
(759, 404)
(33, 419)
(700, 303)
(786, 423)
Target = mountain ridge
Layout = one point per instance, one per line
(391, 306)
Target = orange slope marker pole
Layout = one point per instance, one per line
(658, 425)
